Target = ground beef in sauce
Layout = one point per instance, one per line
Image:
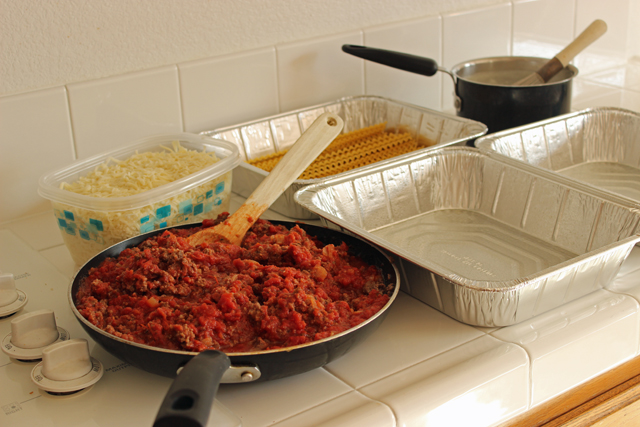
(280, 288)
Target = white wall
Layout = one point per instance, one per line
(50, 43)
(78, 77)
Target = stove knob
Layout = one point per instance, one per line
(8, 291)
(11, 299)
(66, 361)
(67, 367)
(31, 333)
(33, 330)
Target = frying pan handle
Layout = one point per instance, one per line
(402, 61)
(190, 397)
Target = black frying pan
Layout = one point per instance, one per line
(191, 395)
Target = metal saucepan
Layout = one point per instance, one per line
(484, 88)
(193, 391)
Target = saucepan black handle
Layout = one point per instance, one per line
(399, 60)
(191, 395)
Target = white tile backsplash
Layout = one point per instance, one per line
(542, 28)
(472, 35)
(219, 92)
(35, 136)
(316, 71)
(422, 37)
(74, 121)
(476, 34)
(589, 94)
(624, 77)
(113, 112)
(615, 14)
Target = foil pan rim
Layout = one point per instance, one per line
(304, 198)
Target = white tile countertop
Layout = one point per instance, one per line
(419, 368)
(65, 100)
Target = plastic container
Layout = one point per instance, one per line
(91, 224)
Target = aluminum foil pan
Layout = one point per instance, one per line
(599, 147)
(485, 240)
(270, 135)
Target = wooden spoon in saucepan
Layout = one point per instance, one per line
(301, 154)
(562, 59)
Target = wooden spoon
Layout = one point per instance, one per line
(562, 59)
(301, 154)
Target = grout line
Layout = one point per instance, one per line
(575, 18)
(512, 27)
(277, 82)
(181, 98)
(74, 144)
(440, 61)
(363, 42)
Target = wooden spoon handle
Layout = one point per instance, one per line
(305, 150)
(588, 36)
(562, 59)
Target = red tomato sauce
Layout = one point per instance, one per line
(280, 288)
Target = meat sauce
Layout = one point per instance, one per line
(280, 288)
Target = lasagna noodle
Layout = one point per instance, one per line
(349, 151)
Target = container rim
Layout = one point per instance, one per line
(534, 61)
(475, 128)
(307, 195)
(49, 184)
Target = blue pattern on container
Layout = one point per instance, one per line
(75, 226)
(163, 212)
(185, 207)
(146, 227)
(96, 224)
(92, 228)
(71, 228)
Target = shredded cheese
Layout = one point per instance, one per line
(141, 172)
(86, 232)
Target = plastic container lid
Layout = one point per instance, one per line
(227, 152)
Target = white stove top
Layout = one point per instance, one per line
(419, 368)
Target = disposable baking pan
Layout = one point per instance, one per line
(598, 147)
(485, 240)
(272, 134)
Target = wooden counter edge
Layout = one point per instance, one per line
(571, 404)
